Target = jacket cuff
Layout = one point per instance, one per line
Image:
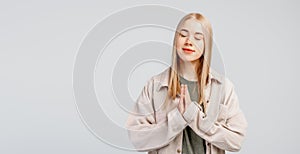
(192, 110)
(177, 121)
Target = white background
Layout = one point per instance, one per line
(39, 40)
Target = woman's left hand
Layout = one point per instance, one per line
(187, 97)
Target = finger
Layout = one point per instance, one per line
(187, 94)
(181, 106)
(184, 102)
(181, 93)
(181, 90)
(184, 89)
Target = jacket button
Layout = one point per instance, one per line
(208, 144)
(178, 150)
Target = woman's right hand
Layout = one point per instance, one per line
(181, 104)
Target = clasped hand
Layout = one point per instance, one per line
(185, 99)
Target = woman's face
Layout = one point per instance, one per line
(190, 42)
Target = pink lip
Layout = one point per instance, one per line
(188, 50)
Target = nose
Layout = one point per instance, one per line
(188, 42)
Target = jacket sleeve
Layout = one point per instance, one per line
(144, 132)
(227, 135)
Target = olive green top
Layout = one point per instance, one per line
(192, 143)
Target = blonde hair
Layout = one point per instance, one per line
(202, 67)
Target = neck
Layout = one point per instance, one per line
(187, 70)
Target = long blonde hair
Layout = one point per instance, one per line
(202, 67)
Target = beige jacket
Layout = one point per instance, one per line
(159, 131)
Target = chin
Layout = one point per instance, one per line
(188, 59)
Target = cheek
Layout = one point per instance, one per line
(179, 43)
(200, 47)
(198, 55)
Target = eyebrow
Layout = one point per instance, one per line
(188, 31)
(184, 30)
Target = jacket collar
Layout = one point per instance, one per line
(163, 78)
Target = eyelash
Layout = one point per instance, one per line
(182, 35)
(194, 37)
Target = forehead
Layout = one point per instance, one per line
(192, 25)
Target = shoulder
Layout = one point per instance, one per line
(162, 75)
(229, 95)
(228, 83)
(224, 85)
(158, 80)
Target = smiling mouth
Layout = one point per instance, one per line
(188, 50)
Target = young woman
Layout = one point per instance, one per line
(188, 108)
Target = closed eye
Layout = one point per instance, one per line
(182, 35)
(198, 36)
